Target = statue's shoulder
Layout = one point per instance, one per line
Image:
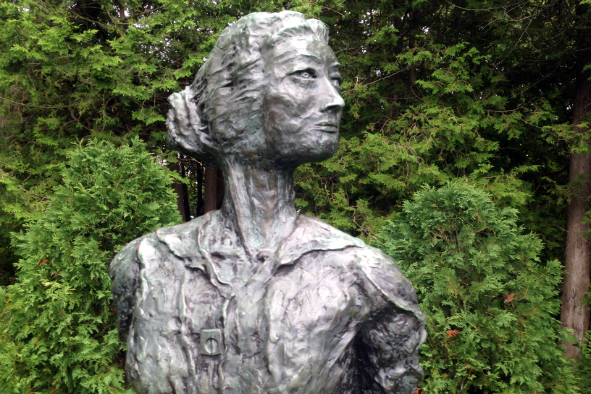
(385, 275)
(126, 265)
(178, 238)
(124, 271)
(378, 270)
(315, 228)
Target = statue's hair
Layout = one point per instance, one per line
(221, 111)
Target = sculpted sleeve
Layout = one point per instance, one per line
(124, 272)
(388, 342)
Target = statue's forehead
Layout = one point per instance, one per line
(304, 47)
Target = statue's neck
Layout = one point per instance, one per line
(259, 204)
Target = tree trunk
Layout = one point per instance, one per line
(185, 196)
(199, 209)
(412, 74)
(220, 189)
(214, 189)
(209, 184)
(574, 313)
(182, 198)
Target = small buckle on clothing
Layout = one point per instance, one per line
(211, 342)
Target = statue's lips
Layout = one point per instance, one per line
(327, 127)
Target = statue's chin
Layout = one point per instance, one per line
(310, 147)
(313, 152)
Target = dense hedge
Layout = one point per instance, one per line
(490, 302)
(57, 328)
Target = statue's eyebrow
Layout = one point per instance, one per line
(336, 65)
(309, 56)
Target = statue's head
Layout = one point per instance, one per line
(268, 94)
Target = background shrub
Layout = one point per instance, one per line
(57, 328)
(490, 302)
(584, 366)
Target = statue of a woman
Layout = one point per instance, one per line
(254, 298)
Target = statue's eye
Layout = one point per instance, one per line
(305, 74)
(337, 80)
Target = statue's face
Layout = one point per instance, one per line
(302, 106)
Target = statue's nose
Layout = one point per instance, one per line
(332, 100)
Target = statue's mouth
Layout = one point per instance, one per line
(328, 127)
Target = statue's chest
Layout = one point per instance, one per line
(276, 330)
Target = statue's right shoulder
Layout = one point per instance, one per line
(124, 271)
(182, 236)
(127, 264)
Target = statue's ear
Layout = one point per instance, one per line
(186, 132)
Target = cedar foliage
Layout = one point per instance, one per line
(490, 302)
(584, 366)
(58, 332)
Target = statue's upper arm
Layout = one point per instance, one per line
(124, 271)
(390, 339)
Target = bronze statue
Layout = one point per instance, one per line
(254, 298)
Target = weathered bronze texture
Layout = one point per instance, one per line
(253, 298)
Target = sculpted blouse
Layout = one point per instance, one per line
(325, 313)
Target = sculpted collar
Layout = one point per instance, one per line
(310, 234)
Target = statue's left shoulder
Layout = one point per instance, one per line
(394, 328)
(378, 272)
(387, 278)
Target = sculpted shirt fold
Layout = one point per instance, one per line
(325, 313)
